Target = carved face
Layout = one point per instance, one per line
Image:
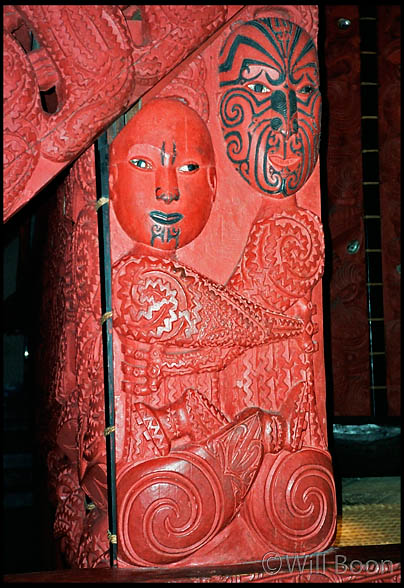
(270, 105)
(163, 175)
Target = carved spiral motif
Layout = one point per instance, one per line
(234, 108)
(238, 106)
(255, 101)
(283, 259)
(151, 303)
(294, 250)
(293, 510)
(167, 509)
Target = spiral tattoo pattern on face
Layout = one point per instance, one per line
(270, 104)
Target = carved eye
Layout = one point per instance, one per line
(259, 88)
(306, 90)
(188, 168)
(141, 163)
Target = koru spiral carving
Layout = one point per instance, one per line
(220, 447)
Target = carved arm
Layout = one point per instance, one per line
(173, 321)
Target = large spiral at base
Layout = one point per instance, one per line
(167, 508)
(292, 504)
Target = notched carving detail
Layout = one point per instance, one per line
(166, 33)
(55, 104)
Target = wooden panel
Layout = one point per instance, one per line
(349, 324)
(278, 266)
(390, 177)
(55, 105)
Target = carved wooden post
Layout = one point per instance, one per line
(219, 376)
(173, 322)
(259, 475)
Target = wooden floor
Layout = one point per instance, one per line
(371, 512)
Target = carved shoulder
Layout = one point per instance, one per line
(283, 259)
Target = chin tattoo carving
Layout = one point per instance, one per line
(270, 109)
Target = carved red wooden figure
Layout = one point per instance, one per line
(217, 253)
(166, 327)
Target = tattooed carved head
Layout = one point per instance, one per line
(270, 104)
(163, 176)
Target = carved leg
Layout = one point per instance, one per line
(171, 506)
(153, 431)
(292, 504)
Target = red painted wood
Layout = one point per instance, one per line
(247, 247)
(379, 563)
(40, 143)
(256, 265)
(219, 374)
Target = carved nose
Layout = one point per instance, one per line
(290, 130)
(285, 105)
(167, 185)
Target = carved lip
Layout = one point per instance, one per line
(165, 219)
(279, 161)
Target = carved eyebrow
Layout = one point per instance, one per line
(174, 153)
(163, 152)
(265, 31)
